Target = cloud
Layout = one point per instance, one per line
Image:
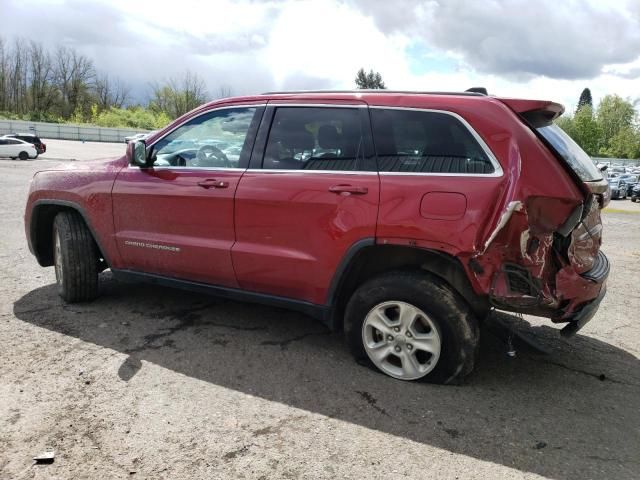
(541, 49)
(519, 38)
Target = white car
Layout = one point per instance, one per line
(14, 148)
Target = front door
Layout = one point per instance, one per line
(314, 195)
(176, 217)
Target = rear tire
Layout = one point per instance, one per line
(439, 341)
(23, 156)
(75, 258)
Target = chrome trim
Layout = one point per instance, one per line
(206, 112)
(278, 103)
(302, 170)
(498, 172)
(182, 169)
(441, 174)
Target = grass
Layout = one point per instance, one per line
(618, 210)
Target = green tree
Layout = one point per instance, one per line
(371, 80)
(624, 144)
(585, 100)
(614, 113)
(566, 123)
(586, 131)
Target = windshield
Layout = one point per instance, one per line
(577, 159)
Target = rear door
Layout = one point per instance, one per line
(310, 194)
(176, 218)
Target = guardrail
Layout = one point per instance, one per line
(627, 162)
(65, 131)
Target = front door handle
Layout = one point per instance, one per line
(348, 189)
(212, 183)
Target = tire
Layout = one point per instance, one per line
(441, 316)
(75, 258)
(23, 156)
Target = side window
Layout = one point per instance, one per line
(13, 142)
(315, 138)
(426, 142)
(3, 142)
(215, 139)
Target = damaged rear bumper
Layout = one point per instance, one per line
(598, 276)
(586, 313)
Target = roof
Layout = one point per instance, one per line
(377, 90)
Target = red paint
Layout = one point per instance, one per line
(443, 206)
(286, 233)
(171, 208)
(292, 230)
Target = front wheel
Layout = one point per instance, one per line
(412, 326)
(75, 258)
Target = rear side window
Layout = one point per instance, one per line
(315, 138)
(414, 141)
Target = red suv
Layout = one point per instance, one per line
(399, 217)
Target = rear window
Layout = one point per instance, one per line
(28, 138)
(414, 141)
(570, 151)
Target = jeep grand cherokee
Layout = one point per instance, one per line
(400, 218)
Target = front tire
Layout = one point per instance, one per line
(75, 258)
(412, 326)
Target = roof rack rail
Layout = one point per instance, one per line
(481, 90)
(472, 92)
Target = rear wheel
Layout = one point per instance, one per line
(75, 258)
(23, 156)
(412, 326)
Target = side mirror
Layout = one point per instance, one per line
(604, 168)
(138, 154)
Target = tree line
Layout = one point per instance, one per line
(609, 130)
(62, 85)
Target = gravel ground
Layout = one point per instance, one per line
(149, 382)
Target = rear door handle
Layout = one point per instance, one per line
(212, 183)
(348, 189)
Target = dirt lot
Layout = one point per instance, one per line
(154, 383)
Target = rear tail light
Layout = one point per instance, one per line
(586, 239)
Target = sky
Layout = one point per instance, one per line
(547, 49)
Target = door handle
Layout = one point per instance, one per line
(212, 183)
(348, 189)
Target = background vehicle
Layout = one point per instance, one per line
(138, 136)
(630, 180)
(14, 148)
(399, 218)
(635, 194)
(618, 187)
(29, 138)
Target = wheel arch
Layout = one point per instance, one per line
(366, 259)
(41, 227)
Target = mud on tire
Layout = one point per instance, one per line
(75, 258)
(456, 325)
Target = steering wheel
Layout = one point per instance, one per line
(210, 156)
